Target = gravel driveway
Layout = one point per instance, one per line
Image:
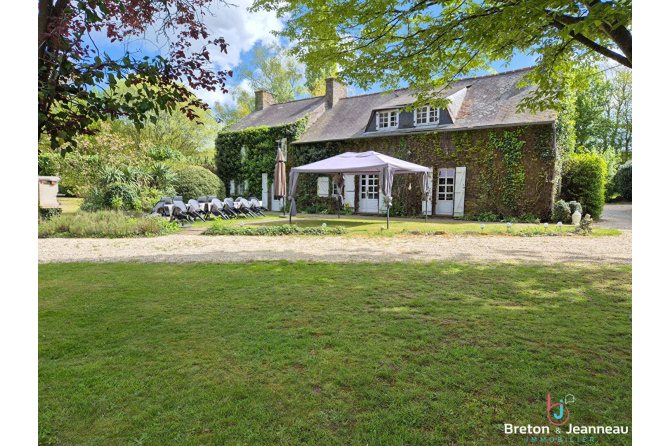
(200, 248)
(616, 216)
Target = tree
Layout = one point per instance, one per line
(173, 130)
(604, 113)
(272, 69)
(431, 43)
(73, 72)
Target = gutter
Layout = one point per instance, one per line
(434, 130)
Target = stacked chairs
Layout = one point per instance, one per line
(255, 206)
(180, 213)
(244, 207)
(203, 207)
(194, 210)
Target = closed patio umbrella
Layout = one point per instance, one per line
(280, 177)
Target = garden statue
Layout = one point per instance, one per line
(576, 217)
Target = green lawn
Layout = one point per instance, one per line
(300, 353)
(363, 226)
(70, 204)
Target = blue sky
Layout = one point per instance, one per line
(243, 31)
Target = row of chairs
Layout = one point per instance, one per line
(204, 207)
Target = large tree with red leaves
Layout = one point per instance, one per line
(73, 72)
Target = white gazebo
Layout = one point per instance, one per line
(363, 163)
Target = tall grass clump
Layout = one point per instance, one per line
(104, 224)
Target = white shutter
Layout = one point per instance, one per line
(459, 192)
(322, 187)
(349, 190)
(430, 198)
(231, 192)
(265, 197)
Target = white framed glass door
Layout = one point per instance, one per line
(368, 195)
(445, 192)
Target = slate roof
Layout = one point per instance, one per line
(484, 101)
(278, 114)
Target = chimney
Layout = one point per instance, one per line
(264, 99)
(334, 92)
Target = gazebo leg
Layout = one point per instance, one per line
(426, 211)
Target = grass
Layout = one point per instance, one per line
(321, 354)
(70, 204)
(361, 226)
(104, 224)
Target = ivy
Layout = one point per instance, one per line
(260, 151)
(513, 183)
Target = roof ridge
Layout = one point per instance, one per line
(409, 88)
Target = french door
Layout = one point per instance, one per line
(368, 196)
(445, 192)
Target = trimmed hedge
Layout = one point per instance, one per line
(220, 228)
(623, 181)
(194, 181)
(583, 180)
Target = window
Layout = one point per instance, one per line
(426, 115)
(387, 119)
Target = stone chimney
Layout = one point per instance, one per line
(334, 92)
(264, 99)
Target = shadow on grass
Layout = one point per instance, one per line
(314, 353)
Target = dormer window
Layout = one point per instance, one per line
(387, 119)
(426, 115)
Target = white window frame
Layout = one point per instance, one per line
(388, 112)
(428, 112)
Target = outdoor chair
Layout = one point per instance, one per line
(244, 207)
(255, 206)
(232, 208)
(216, 208)
(161, 209)
(204, 205)
(180, 214)
(194, 210)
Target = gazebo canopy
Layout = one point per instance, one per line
(360, 163)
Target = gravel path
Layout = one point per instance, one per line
(199, 248)
(616, 216)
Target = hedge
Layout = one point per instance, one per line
(623, 181)
(583, 180)
(194, 181)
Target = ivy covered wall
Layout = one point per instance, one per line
(258, 157)
(510, 171)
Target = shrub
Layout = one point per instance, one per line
(104, 224)
(121, 196)
(574, 207)
(561, 212)
(484, 216)
(623, 181)
(49, 213)
(164, 154)
(584, 181)
(195, 181)
(221, 228)
(77, 171)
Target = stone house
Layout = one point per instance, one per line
(486, 157)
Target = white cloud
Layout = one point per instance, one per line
(241, 29)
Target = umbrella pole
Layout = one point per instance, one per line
(387, 217)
